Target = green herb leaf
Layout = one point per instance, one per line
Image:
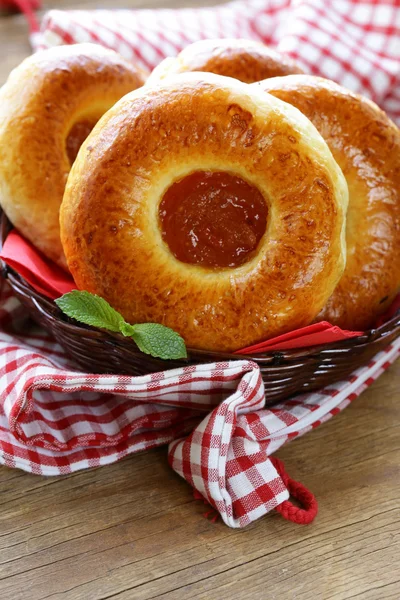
(90, 309)
(160, 341)
(126, 329)
(154, 339)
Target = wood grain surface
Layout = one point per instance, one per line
(133, 530)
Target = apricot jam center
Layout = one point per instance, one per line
(213, 219)
(77, 136)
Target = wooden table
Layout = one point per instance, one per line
(133, 530)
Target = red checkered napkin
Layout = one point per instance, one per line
(354, 42)
(55, 420)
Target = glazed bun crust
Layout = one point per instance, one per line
(153, 137)
(246, 60)
(366, 145)
(40, 103)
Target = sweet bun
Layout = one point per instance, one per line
(208, 206)
(47, 107)
(366, 145)
(246, 60)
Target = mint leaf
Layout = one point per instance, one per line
(126, 329)
(90, 309)
(159, 341)
(154, 339)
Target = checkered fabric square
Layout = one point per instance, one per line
(55, 420)
(354, 42)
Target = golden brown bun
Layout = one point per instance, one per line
(42, 100)
(366, 145)
(246, 60)
(153, 137)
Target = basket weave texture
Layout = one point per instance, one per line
(285, 373)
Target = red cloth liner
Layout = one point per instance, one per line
(312, 335)
(49, 279)
(43, 275)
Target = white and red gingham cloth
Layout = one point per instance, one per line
(354, 42)
(55, 419)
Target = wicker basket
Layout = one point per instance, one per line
(285, 373)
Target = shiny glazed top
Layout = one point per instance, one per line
(40, 104)
(213, 219)
(110, 222)
(246, 60)
(366, 145)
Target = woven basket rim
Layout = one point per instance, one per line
(44, 304)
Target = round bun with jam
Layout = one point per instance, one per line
(48, 106)
(246, 60)
(366, 145)
(208, 206)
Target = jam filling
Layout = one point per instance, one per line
(213, 219)
(77, 136)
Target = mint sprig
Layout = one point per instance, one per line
(91, 310)
(152, 338)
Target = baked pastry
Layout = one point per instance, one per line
(366, 145)
(208, 206)
(47, 107)
(246, 60)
